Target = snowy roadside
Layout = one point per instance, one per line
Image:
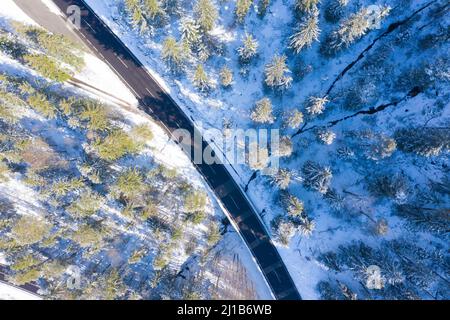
(210, 110)
(98, 74)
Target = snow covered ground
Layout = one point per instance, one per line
(97, 74)
(8, 292)
(395, 52)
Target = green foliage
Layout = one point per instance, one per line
(62, 187)
(137, 256)
(95, 114)
(308, 32)
(276, 73)
(242, 9)
(177, 233)
(153, 9)
(87, 236)
(249, 48)
(197, 217)
(213, 235)
(116, 145)
(142, 133)
(41, 104)
(293, 119)
(206, 13)
(55, 45)
(129, 185)
(29, 230)
(284, 230)
(150, 210)
(160, 261)
(24, 263)
(4, 172)
(195, 201)
(114, 286)
(282, 178)
(201, 80)
(190, 31)
(262, 113)
(173, 53)
(293, 206)
(226, 77)
(47, 67)
(62, 48)
(88, 204)
(26, 277)
(306, 5)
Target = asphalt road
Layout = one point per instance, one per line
(161, 107)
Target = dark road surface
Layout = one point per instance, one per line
(161, 107)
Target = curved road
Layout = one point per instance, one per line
(154, 100)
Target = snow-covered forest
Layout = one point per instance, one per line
(361, 96)
(86, 194)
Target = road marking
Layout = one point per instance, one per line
(114, 69)
(89, 26)
(150, 92)
(120, 59)
(232, 199)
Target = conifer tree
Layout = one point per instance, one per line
(201, 80)
(316, 177)
(308, 32)
(190, 31)
(316, 105)
(293, 119)
(249, 49)
(262, 113)
(242, 9)
(306, 5)
(226, 76)
(173, 53)
(206, 13)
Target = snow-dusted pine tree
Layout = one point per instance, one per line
(308, 32)
(200, 79)
(316, 105)
(262, 113)
(206, 13)
(293, 205)
(281, 178)
(249, 49)
(226, 77)
(316, 177)
(306, 5)
(293, 119)
(190, 31)
(173, 53)
(242, 8)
